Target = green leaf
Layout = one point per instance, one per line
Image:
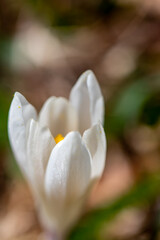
(5, 100)
(151, 112)
(127, 106)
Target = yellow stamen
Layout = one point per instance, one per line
(58, 138)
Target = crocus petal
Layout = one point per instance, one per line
(39, 146)
(59, 115)
(87, 99)
(67, 180)
(95, 141)
(19, 114)
(69, 169)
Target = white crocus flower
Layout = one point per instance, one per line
(61, 151)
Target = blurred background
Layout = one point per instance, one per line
(44, 47)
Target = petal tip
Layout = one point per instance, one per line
(74, 134)
(87, 73)
(19, 96)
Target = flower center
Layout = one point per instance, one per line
(58, 138)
